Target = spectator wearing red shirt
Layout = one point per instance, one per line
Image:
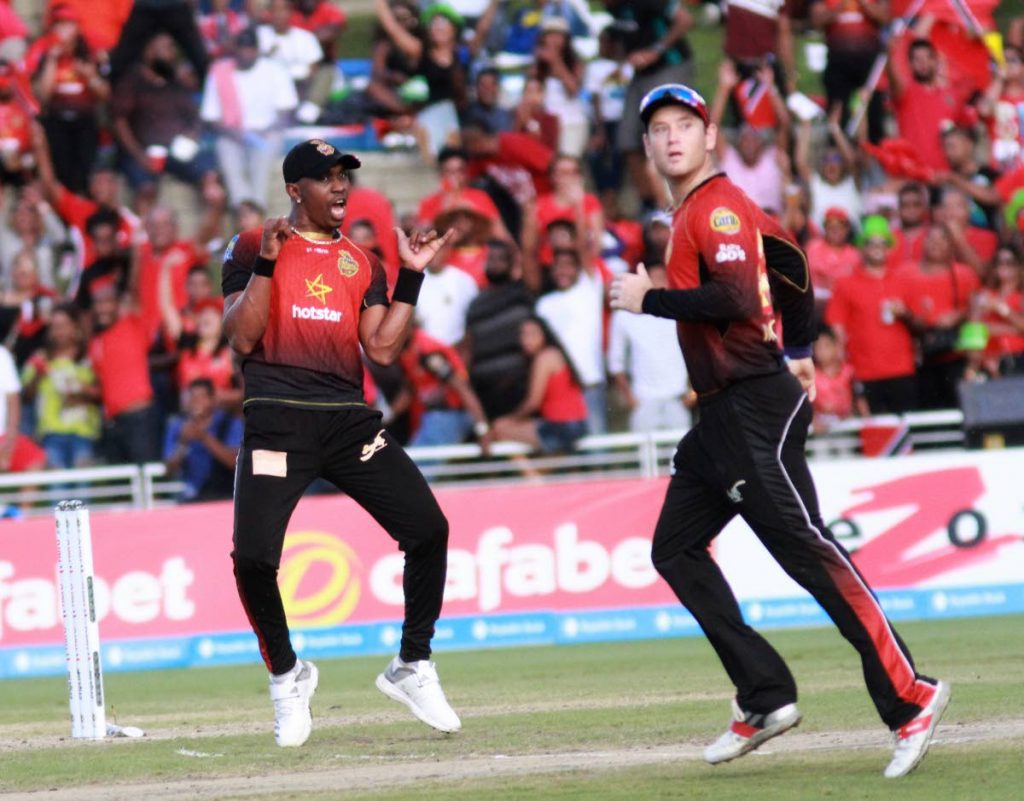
(939, 292)
(921, 102)
(219, 27)
(1000, 306)
(324, 20)
(833, 382)
(853, 35)
(101, 23)
(553, 415)
(165, 249)
(16, 112)
(455, 191)
(973, 245)
(75, 210)
(118, 354)
(865, 312)
(832, 256)
(444, 402)
(1002, 108)
(913, 211)
(568, 201)
(71, 90)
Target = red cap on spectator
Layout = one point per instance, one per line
(836, 213)
(64, 13)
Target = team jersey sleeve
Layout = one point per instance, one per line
(239, 257)
(789, 278)
(726, 238)
(377, 292)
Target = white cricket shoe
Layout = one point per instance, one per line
(749, 730)
(913, 738)
(292, 719)
(416, 685)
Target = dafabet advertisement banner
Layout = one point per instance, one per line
(936, 535)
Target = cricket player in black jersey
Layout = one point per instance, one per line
(729, 267)
(300, 299)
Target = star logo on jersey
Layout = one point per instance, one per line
(347, 265)
(318, 289)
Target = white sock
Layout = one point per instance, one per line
(291, 674)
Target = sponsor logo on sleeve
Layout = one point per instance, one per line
(730, 252)
(725, 220)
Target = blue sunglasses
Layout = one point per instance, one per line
(672, 93)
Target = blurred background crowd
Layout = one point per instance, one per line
(886, 136)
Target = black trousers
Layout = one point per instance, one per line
(74, 142)
(746, 457)
(283, 451)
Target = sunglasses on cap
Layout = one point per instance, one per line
(672, 94)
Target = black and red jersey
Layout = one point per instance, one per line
(309, 354)
(730, 267)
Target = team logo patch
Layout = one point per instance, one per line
(347, 265)
(318, 289)
(725, 220)
(322, 147)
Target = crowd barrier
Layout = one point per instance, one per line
(608, 455)
(562, 561)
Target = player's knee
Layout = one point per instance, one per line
(430, 533)
(248, 567)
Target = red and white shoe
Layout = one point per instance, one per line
(749, 730)
(914, 737)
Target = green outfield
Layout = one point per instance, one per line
(609, 721)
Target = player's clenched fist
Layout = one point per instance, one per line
(276, 231)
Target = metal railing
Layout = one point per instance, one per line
(606, 456)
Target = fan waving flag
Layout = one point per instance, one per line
(958, 36)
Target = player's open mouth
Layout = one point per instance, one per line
(338, 209)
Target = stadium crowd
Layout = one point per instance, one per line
(901, 174)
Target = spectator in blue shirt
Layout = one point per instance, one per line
(201, 445)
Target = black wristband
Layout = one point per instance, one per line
(407, 287)
(264, 267)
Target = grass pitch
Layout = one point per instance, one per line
(610, 721)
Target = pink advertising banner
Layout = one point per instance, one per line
(562, 562)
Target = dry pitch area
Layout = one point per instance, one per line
(602, 721)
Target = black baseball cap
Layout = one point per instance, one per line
(313, 158)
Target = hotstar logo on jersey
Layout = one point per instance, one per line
(137, 596)
(497, 567)
(315, 313)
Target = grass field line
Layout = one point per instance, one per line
(397, 772)
(24, 737)
(210, 723)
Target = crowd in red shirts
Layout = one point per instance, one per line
(903, 178)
